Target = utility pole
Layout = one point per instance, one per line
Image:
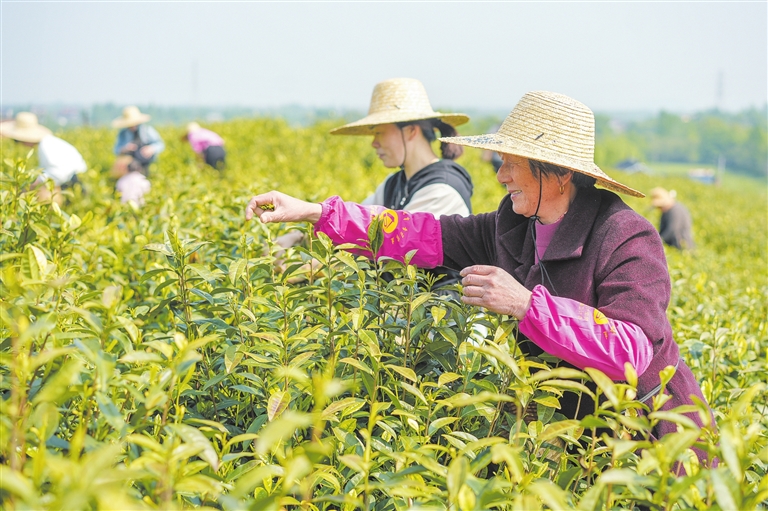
(720, 92)
(194, 83)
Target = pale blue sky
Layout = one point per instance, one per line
(609, 55)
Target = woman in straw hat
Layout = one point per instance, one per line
(137, 138)
(403, 124)
(583, 273)
(209, 146)
(60, 161)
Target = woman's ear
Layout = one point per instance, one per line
(413, 130)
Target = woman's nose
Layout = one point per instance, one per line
(503, 173)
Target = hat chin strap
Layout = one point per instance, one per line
(536, 218)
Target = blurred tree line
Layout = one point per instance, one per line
(740, 138)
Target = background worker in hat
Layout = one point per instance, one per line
(402, 125)
(137, 138)
(208, 145)
(675, 225)
(60, 161)
(583, 273)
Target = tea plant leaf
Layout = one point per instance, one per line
(195, 438)
(457, 475)
(140, 357)
(356, 363)
(237, 269)
(438, 313)
(277, 404)
(437, 424)
(495, 353)
(347, 259)
(159, 247)
(605, 384)
(556, 429)
(111, 412)
(280, 430)
(405, 372)
(348, 405)
(130, 327)
(420, 300)
(414, 391)
(558, 373)
(355, 462)
(232, 357)
(446, 378)
(15, 483)
(38, 263)
(723, 494)
(203, 272)
(548, 401)
(202, 294)
(550, 494)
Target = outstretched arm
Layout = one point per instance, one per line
(347, 222)
(275, 206)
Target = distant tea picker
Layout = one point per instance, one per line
(137, 138)
(209, 146)
(583, 273)
(59, 160)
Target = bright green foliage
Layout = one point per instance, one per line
(158, 358)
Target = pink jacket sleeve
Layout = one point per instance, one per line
(581, 335)
(347, 222)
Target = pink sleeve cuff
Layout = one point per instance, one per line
(347, 222)
(583, 336)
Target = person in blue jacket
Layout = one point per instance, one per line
(137, 138)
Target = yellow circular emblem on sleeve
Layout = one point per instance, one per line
(390, 221)
(600, 318)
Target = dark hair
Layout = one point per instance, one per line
(548, 169)
(428, 126)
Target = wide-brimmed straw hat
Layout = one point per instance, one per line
(24, 128)
(661, 198)
(398, 100)
(552, 128)
(131, 117)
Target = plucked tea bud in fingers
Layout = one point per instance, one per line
(267, 207)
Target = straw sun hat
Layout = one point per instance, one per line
(131, 117)
(661, 198)
(552, 128)
(398, 100)
(24, 128)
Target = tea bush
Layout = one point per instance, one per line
(159, 358)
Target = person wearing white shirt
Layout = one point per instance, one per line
(60, 161)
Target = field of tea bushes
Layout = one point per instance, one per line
(160, 358)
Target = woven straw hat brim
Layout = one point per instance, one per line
(129, 122)
(366, 125)
(531, 151)
(32, 134)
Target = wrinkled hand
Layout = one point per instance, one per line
(284, 208)
(496, 290)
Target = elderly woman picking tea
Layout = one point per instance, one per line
(584, 273)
